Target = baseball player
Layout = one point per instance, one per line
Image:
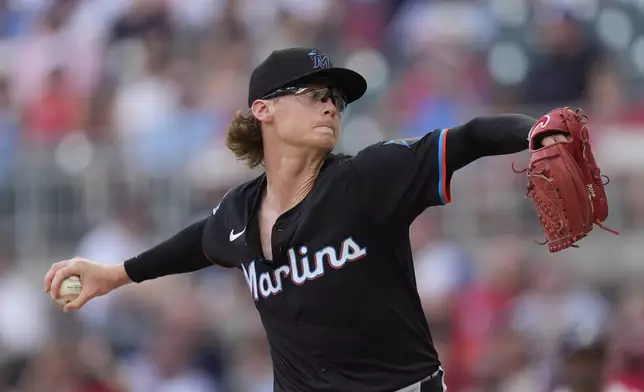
(322, 239)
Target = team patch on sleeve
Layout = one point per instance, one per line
(214, 210)
(407, 142)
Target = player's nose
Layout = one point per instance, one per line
(330, 109)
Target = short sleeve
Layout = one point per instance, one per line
(398, 179)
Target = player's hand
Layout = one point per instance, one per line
(96, 279)
(548, 140)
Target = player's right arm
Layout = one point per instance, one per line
(184, 252)
(181, 253)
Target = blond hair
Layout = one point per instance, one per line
(244, 139)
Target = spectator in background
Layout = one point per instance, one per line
(442, 268)
(49, 46)
(556, 307)
(146, 105)
(196, 15)
(99, 124)
(438, 91)
(610, 102)
(143, 18)
(223, 77)
(564, 64)
(483, 307)
(626, 372)
(9, 131)
(11, 372)
(58, 368)
(583, 367)
(366, 27)
(165, 364)
(607, 100)
(190, 129)
(122, 236)
(506, 365)
(255, 368)
(57, 112)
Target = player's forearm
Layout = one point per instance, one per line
(487, 136)
(180, 254)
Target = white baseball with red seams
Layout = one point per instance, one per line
(69, 290)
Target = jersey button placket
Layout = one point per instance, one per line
(279, 228)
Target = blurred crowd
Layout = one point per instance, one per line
(111, 109)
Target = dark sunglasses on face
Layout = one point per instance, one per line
(317, 94)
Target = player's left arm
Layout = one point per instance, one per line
(401, 178)
(488, 136)
(485, 136)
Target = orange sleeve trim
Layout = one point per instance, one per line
(444, 191)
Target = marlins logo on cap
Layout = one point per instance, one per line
(320, 60)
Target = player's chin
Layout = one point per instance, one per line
(324, 138)
(324, 130)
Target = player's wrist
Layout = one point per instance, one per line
(118, 275)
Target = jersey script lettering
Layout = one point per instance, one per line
(299, 269)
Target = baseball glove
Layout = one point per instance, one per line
(564, 181)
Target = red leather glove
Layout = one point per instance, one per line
(564, 180)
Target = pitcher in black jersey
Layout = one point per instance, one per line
(322, 239)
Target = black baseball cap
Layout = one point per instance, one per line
(297, 66)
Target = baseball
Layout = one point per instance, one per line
(69, 290)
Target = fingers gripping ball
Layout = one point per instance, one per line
(69, 290)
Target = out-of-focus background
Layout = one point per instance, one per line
(112, 118)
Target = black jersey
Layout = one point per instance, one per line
(338, 301)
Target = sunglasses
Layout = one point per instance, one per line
(316, 94)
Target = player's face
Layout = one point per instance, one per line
(309, 116)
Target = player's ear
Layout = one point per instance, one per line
(262, 110)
